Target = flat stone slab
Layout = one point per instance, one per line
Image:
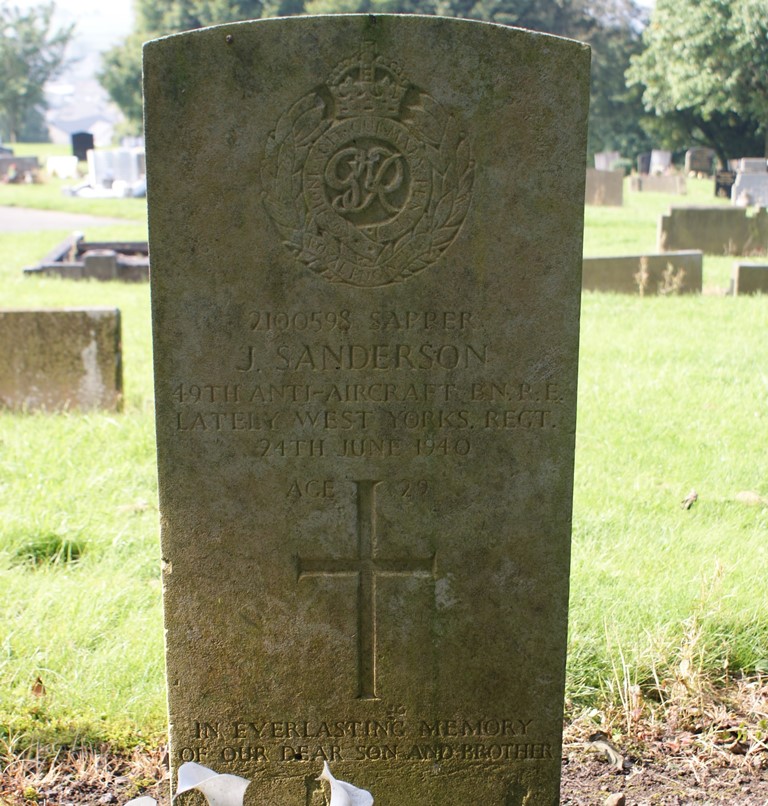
(366, 287)
(60, 360)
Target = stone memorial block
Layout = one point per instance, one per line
(605, 160)
(750, 187)
(644, 162)
(713, 230)
(660, 161)
(700, 160)
(749, 277)
(724, 183)
(82, 143)
(365, 319)
(656, 183)
(56, 360)
(604, 188)
(649, 275)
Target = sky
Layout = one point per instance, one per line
(98, 25)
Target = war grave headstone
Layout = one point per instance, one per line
(57, 360)
(750, 186)
(604, 188)
(749, 277)
(665, 273)
(365, 319)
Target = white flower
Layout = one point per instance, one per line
(220, 789)
(344, 794)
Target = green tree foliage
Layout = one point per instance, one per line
(704, 71)
(611, 27)
(31, 53)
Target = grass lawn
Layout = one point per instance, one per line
(673, 397)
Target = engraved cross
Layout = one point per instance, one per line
(367, 567)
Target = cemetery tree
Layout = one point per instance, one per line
(611, 27)
(31, 53)
(121, 75)
(704, 71)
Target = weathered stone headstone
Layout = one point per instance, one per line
(605, 160)
(657, 183)
(644, 162)
(648, 275)
(700, 161)
(751, 184)
(56, 360)
(749, 277)
(365, 285)
(604, 188)
(713, 230)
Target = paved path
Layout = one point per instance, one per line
(18, 219)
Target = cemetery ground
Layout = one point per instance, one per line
(668, 639)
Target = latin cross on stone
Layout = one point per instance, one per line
(367, 566)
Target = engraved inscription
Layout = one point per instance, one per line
(367, 566)
(384, 175)
(260, 741)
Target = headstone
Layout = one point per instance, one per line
(713, 230)
(605, 160)
(365, 287)
(62, 167)
(660, 161)
(657, 183)
(750, 188)
(22, 166)
(604, 188)
(82, 143)
(644, 163)
(667, 273)
(753, 165)
(699, 161)
(750, 277)
(107, 166)
(100, 264)
(57, 360)
(723, 183)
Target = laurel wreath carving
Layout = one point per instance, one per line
(451, 167)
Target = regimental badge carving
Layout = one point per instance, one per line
(367, 178)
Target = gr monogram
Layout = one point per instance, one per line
(364, 177)
(367, 179)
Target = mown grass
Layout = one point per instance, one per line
(673, 395)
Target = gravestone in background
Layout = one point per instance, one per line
(365, 284)
(605, 160)
(749, 277)
(604, 188)
(700, 160)
(649, 275)
(57, 360)
(82, 143)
